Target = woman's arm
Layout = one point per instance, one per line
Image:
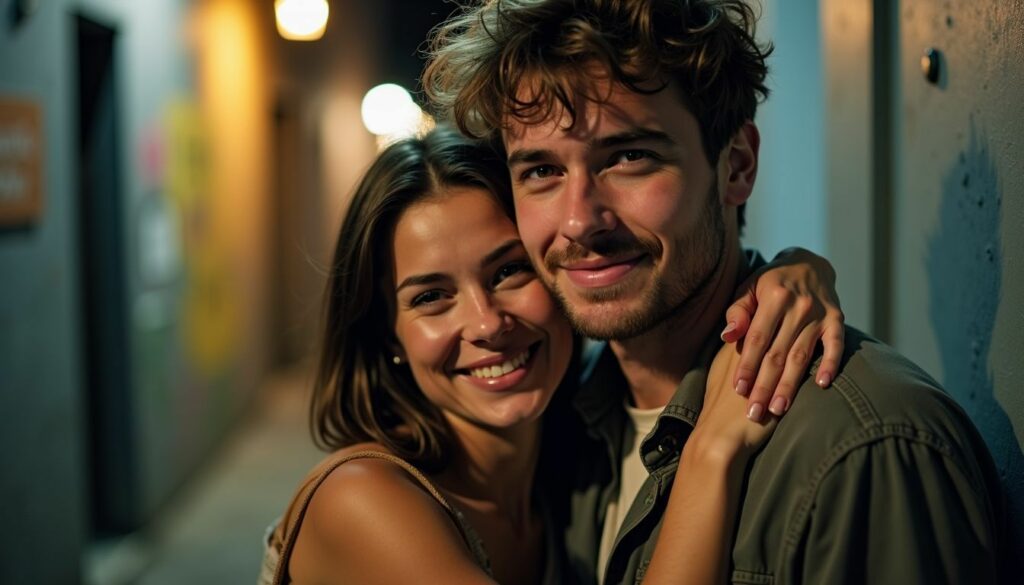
(781, 314)
(696, 534)
(370, 522)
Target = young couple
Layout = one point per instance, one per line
(611, 197)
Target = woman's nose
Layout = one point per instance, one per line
(488, 322)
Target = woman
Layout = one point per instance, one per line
(442, 351)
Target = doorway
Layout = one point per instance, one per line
(101, 258)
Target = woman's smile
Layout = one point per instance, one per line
(479, 331)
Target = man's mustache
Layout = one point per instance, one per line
(613, 246)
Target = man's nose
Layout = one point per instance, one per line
(585, 213)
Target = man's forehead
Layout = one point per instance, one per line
(603, 109)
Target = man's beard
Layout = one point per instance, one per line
(671, 288)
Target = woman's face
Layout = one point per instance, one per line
(480, 333)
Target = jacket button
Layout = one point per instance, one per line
(668, 445)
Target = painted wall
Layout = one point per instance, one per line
(787, 207)
(42, 495)
(848, 166)
(194, 106)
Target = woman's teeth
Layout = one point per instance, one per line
(501, 369)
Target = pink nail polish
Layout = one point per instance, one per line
(728, 329)
(755, 412)
(779, 406)
(824, 379)
(742, 387)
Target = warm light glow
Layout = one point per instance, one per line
(389, 112)
(301, 20)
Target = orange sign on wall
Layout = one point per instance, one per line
(21, 161)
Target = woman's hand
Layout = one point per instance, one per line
(722, 434)
(697, 530)
(783, 310)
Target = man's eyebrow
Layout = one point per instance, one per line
(528, 156)
(625, 137)
(634, 135)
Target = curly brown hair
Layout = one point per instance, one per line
(481, 57)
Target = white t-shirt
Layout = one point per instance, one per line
(632, 476)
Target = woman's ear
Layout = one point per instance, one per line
(741, 164)
(397, 352)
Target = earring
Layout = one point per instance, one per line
(397, 360)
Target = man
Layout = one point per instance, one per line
(628, 127)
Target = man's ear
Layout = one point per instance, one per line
(741, 164)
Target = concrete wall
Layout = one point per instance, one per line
(924, 190)
(958, 274)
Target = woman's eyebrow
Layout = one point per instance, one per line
(420, 279)
(501, 251)
(434, 277)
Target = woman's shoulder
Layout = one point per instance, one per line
(365, 472)
(364, 482)
(367, 506)
(353, 455)
(339, 477)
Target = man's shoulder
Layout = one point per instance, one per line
(883, 449)
(877, 395)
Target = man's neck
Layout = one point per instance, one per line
(654, 363)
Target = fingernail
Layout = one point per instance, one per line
(824, 379)
(779, 406)
(755, 412)
(728, 329)
(741, 387)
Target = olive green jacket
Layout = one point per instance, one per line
(880, 478)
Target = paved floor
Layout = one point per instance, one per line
(212, 534)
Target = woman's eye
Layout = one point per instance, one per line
(512, 269)
(425, 298)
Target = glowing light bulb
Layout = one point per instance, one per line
(389, 111)
(301, 20)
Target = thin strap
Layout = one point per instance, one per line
(467, 532)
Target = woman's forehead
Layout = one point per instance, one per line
(459, 225)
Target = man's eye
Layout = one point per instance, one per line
(540, 172)
(631, 156)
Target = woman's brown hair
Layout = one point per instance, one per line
(360, 394)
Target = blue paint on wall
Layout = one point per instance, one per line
(964, 263)
(787, 208)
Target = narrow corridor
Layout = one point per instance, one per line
(214, 526)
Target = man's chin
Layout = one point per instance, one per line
(621, 311)
(614, 319)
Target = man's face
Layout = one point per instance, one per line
(621, 214)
